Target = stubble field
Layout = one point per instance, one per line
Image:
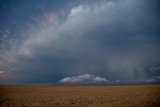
(80, 96)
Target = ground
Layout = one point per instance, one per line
(80, 96)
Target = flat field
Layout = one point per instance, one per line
(80, 96)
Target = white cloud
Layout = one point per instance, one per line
(82, 79)
(1, 72)
(81, 19)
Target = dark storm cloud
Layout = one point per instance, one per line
(118, 40)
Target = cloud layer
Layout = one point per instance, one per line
(83, 79)
(117, 39)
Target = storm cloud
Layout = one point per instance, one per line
(118, 40)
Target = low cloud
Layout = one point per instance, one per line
(150, 80)
(1, 72)
(83, 79)
(155, 68)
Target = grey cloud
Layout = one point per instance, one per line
(150, 80)
(114, 38)
(157, 77)
(81, 22)
(155, 68)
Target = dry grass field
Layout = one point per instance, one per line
(80, 96)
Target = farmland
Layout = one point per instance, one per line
(80, 96)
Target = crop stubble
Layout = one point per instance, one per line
(80, 96)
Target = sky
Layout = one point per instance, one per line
(79, 41)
